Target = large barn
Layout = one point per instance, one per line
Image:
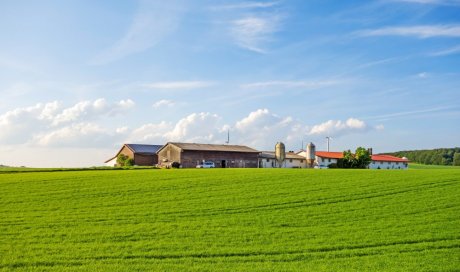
(143, 154)
(189, 155)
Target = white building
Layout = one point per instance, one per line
(267, 160)
(323, 159)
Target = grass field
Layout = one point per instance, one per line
(429, 166)
(230, 220)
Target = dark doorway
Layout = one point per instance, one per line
(224, 163)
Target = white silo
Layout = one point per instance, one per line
(311, 155)
(280, 153)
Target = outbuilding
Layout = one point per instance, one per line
(267, 159)
(143, 154)
(189, 155)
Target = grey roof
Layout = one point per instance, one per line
(214, 147)
(289, 155)
(144, 148)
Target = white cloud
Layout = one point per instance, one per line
(338, 127)
(423, 75)
(423, 31)
(92, 109)
(75, 135)
(290, 84)
(21, 125)
(449, 51)
(163, 103)
(254, 32)
(432, 2)
(245, 5)
(16, 126)
(150, 133)
(153, 21)
(196, 127)
(179, 85)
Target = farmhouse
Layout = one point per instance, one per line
(323, 159)
(143, 155)
(189, 155)
(292, 160)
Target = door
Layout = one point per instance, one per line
(224, 163)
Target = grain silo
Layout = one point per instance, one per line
(311, 155)
(280, 153)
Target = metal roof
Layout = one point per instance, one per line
(214, 147)
(144, 148)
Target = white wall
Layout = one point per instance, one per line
(272, 163)
(324, 162)
(387, 165)
(112, 162)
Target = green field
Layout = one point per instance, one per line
(431, 166)
(230, 220)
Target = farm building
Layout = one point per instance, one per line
(323, 159)
(267, 160)
(143, 155)
(189, 155)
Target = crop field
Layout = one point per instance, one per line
(230, 220)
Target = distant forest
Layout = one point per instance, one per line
(440, 156)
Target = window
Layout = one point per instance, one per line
(301, 161)
(329, 160)
(268, 160)
(397, 163)
(290, 160)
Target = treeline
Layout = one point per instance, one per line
(440, 156)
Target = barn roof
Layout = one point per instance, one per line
(378, 157)
(213, 147)
(143, 149)
(289, 155)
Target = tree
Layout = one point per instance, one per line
(361, 159)
(124, 160)
(457, 159)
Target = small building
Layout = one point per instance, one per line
(388, 162)
(189, 155)
(267, 159)
(143, 154)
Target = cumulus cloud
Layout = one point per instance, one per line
(43, 123)
(92, 135)
(91, 109)
(338, 127)
(195, 127)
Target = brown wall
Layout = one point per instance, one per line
(145, 160)
(190, 159)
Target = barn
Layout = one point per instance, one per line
(143, 154)
(189, 155)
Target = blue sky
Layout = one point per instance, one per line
(79, 78)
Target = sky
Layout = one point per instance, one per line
(78, 78)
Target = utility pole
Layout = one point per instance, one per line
(228, 137)
(328, 139)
